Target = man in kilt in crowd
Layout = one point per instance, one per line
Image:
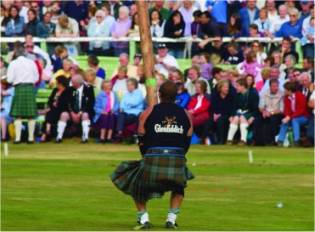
(23, 74)
(164, 138)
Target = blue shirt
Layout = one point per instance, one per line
(101, 73)
(287, 29)
(132, 102)
(219, 10)
(182, 99)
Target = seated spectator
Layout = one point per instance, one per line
(205, 66)
(216, 77)
(31, 26)
(106, 109)
(99, 27)
(233, 54)
(120, 29)
(93, 63)
(68, 27)
(286, 49)
(195, 25)
(271, 108)
(77, 10)
(306, 84)
(248, 15)
(280, 20)
(253, 31)
(208, 28)
(263, 23)
(124, 61)
(80, 109)
(182, 97)
(259, 50)
(175, 75)
(65, 71)
(245, 110)
(250, 66)
(310, 126)
(119, 82)
(295, 113)
(15, 23)
(7, 92)
(251, 84)
(293, 28)
(55, 12)
(45, 28)
(134, 30)
(308, 39)
(156, 24)
(305, 9)
(175, 28)
(234, 26)
(164, 61)
(222, 102)
(131, 106)
(187, 9)
(199, 108)
(92, 80)
(308, 66)
(193, 78)
(57, 103)
(271, 10)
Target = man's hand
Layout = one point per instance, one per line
(285, 120)
(250, 120)
(216, 117)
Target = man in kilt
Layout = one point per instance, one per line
(164, 138)
(23, 74)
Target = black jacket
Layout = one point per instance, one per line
(62, 101)
(87, 100)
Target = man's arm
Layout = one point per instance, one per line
(141, 130)
(189, 133)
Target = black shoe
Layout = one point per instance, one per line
(30, 142)
(145, 226)
(17, 142)
(109, 141)
(170, 225)
(84, 141)
(102, 141)
(58, 141)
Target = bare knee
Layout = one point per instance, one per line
(64, 116)
(85, 116)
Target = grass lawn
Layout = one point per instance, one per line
(67, 187)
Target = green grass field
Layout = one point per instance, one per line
(67, 187)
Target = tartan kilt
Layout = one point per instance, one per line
(24, 101)
(152, 176)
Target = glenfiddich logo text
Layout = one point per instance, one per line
(168, 129)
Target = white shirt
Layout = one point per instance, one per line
(168, 60)
(22, 70)
(277, 23)
(23, 13)
(80, 91)
(120, 87)
(312, 98)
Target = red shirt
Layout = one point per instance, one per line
(204, 107)
(297, 108)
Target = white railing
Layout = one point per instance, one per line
(135, 39)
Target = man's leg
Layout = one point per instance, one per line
(61, 126)
(85, 126)
(175, 203)
(142, 216)
(18, 130)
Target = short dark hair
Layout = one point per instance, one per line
(273, 81)
(197, 13)
(63, 81)
(133, 81)
(216, 70)
(168, 92)
(290, 86)
(242, 82)
(203, 85)
(93, 60)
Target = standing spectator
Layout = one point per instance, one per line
(187, 9)
(165, 61)
(305, 9)
(233, 55)
(22, 8)
(245, 110)
(31, 26)
(271, 108)
(205, 66)
(193, 78)
(120, 29)
(199, 108)
(131, 106)
(258, 48)
(263, 23)
(218, 10)
(99, 27)
(271, 10)
(234, 26)
(55, 12)
(175, 28)
(208, 28)
(23, 74)
(286, 49)
(134, 30)
(68, 27)
(156, 24)
(67, 64)
(222, 102)
(46, 28)
(248, 15)
(106, 109)
(57, 103)
(308, 66)
(250, 66)
(293, 28)
(93, 63)
(295, 113)
(306, 84)
(78, 10)
(80, 109)
(159, 6)
(15, 25)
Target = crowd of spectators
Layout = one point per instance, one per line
(257, 98)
